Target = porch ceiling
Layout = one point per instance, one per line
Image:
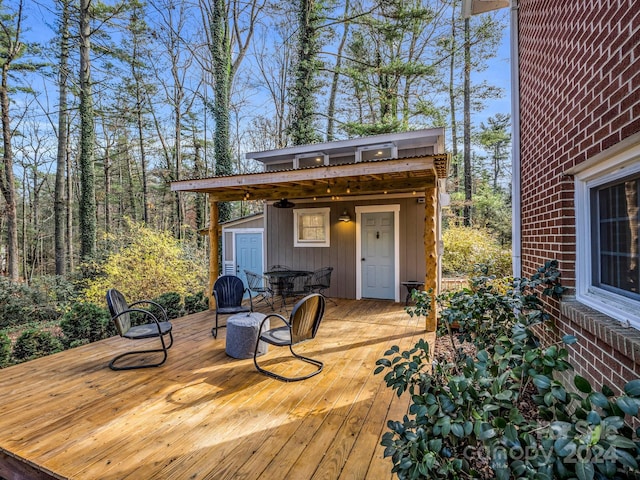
(363, 178)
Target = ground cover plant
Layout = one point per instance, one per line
(493, 407)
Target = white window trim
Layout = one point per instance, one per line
(326, 211)
(618, 165)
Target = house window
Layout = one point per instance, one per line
(615, 224)
(311, 227)
(608, 236)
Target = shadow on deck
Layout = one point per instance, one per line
(204, 415)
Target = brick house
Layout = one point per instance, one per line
(576, 111)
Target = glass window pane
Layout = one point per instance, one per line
(618, 230)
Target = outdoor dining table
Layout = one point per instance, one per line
(282, 281)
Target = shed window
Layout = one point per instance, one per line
(311, 227)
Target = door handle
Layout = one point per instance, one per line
(363, 259)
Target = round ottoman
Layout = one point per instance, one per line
(242, 334)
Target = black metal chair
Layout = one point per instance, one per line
(302, 325)
(228, 291)
(121, 316)
(278, 268)
(320, 281)
(259, 284)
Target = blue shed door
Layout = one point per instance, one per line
(248, 254)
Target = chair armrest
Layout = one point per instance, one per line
(277, 315)
(151, 302)
(140, 310)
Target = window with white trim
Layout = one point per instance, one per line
(614, 236)
(311, 227)
(608, 236)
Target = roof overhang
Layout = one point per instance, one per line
(433, 137)
(475, 7)
(362, 178)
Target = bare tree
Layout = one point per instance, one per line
(11, 49)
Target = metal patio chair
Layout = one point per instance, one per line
(320, 281)
(228, 291)
(154, 327)
(302, 325)
(259, 284)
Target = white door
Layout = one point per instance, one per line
(378, 255)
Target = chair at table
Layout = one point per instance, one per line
(153, 328)
(278, 268)
(259, 284)
(302, 325)
(320, 281)
(228, 291)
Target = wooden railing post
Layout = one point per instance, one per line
(431, 252)
(214, 239)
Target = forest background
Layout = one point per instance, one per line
(104, 103)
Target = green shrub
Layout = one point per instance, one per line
(171, 303)
(86, 323)
(35, 343)
(20, 303)
(5, 349)
(467, 247)
(474, 413)
(197, 302)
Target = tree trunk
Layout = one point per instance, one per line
(452, 97)
(331, 109)
(221, 55)
(8, 180)
(467, 123)
(87, 205)
(69, 204)
(61, 158)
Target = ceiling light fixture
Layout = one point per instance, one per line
(284, 203)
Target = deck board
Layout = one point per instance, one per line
(204, 415)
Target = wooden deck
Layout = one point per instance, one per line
(204, 415)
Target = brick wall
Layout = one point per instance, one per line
(579, 95)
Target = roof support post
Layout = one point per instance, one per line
(431, 252)
(214, 241)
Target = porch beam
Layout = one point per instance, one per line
(431, 253)
(325, 173)
(338, 188)
(214, 240)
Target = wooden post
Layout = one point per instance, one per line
(214, 239)
(431, 253)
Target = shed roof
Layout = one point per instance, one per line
(370, 177)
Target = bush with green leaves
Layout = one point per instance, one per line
(171, 303)
(144, 264)
(5, 349)
(469, 418)
(33, 343)
(467, 247)
(196, 302)
(21, 303)
(85, 323)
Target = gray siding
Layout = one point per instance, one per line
(341, 254)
